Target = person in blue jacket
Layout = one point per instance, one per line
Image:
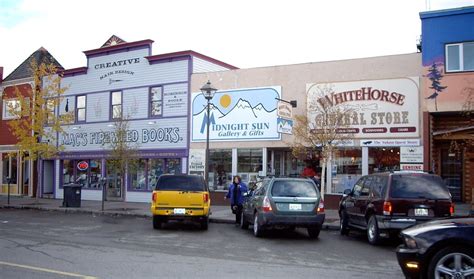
(236, 196)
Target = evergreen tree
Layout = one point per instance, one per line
(435, 75)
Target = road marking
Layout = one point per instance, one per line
(48, 270)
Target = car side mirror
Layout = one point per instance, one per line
(347, 192)
(247, 194)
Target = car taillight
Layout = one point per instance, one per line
(321, 207)
(205, 197)
(154, 196)
(451, 209)
(387, 208)
(266, 207)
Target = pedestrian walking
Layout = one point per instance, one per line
(236, 196)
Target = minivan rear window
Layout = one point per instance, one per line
(293, 189)
(180, 183)
(418, 187)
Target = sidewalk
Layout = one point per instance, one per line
(219, 214)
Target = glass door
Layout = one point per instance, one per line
(451, 172)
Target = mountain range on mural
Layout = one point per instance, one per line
(241, 107)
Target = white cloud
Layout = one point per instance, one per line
(245, 33)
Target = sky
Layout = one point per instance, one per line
(244, 33)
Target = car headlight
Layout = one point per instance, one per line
(410, 242)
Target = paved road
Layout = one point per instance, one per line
(38, 244)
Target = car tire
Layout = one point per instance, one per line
(244, 224)
(344, 223)
(314, 232)
(205, 223)
(373, 234)
(257, 229)
(445, 259)
(157, 222)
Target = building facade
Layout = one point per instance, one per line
(448, 73)
(124, 85)
(250, 131)
(22, 173)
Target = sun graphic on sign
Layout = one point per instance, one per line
(225, 100)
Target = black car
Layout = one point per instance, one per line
(284, 203)
(438, 249)
(383, 204)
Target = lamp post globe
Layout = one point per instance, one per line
(208, 91)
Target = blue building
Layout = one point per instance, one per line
(448, 71)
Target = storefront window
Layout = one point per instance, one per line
(249, 163)
(294, 166)
(144, 173)
(9, 169)
(220, 169)
(156, 168)
(137, 172)
(346, 168)
(383, 159)
(84, 172)
(173, 166)
(68, 171)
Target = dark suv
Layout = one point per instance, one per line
(385, 203)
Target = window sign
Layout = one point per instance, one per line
(82, 165)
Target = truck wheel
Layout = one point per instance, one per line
(205, 223)
(343, 226)
(157, 222)
(373, 234)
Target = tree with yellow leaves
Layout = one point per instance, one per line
(323, 128)
(35, 123)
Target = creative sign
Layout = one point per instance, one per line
(374, 108)
(243, 114)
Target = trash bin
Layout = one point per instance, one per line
(72, 195)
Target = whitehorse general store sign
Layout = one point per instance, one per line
(376, 108)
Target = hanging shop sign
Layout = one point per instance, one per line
(285, 126)
(284, 110)
(243, 114)
(367, 109)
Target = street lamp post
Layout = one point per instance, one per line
(208, 91)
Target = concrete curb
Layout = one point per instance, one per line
(329, 224)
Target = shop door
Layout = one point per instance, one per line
(277, 164)
(114, 184)
(451, 172)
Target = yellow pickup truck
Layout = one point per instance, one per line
(180, 197)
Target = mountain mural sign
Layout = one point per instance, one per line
(237, 115)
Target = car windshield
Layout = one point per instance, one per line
(288, 188)
(419, 187)
(180, 183)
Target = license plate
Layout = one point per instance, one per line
(421, 212)
(179, 211)
(295, 206)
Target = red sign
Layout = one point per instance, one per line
(82, 165)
